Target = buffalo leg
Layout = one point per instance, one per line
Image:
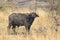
(13, 28)
(8, 28)
(27, 29)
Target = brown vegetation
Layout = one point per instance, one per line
(43, 28)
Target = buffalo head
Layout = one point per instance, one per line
(33, 14)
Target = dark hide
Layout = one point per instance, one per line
(20, 19)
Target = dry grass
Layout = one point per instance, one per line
(40, 29)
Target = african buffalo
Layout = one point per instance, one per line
(20, 19)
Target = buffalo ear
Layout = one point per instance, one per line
(30, 15)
